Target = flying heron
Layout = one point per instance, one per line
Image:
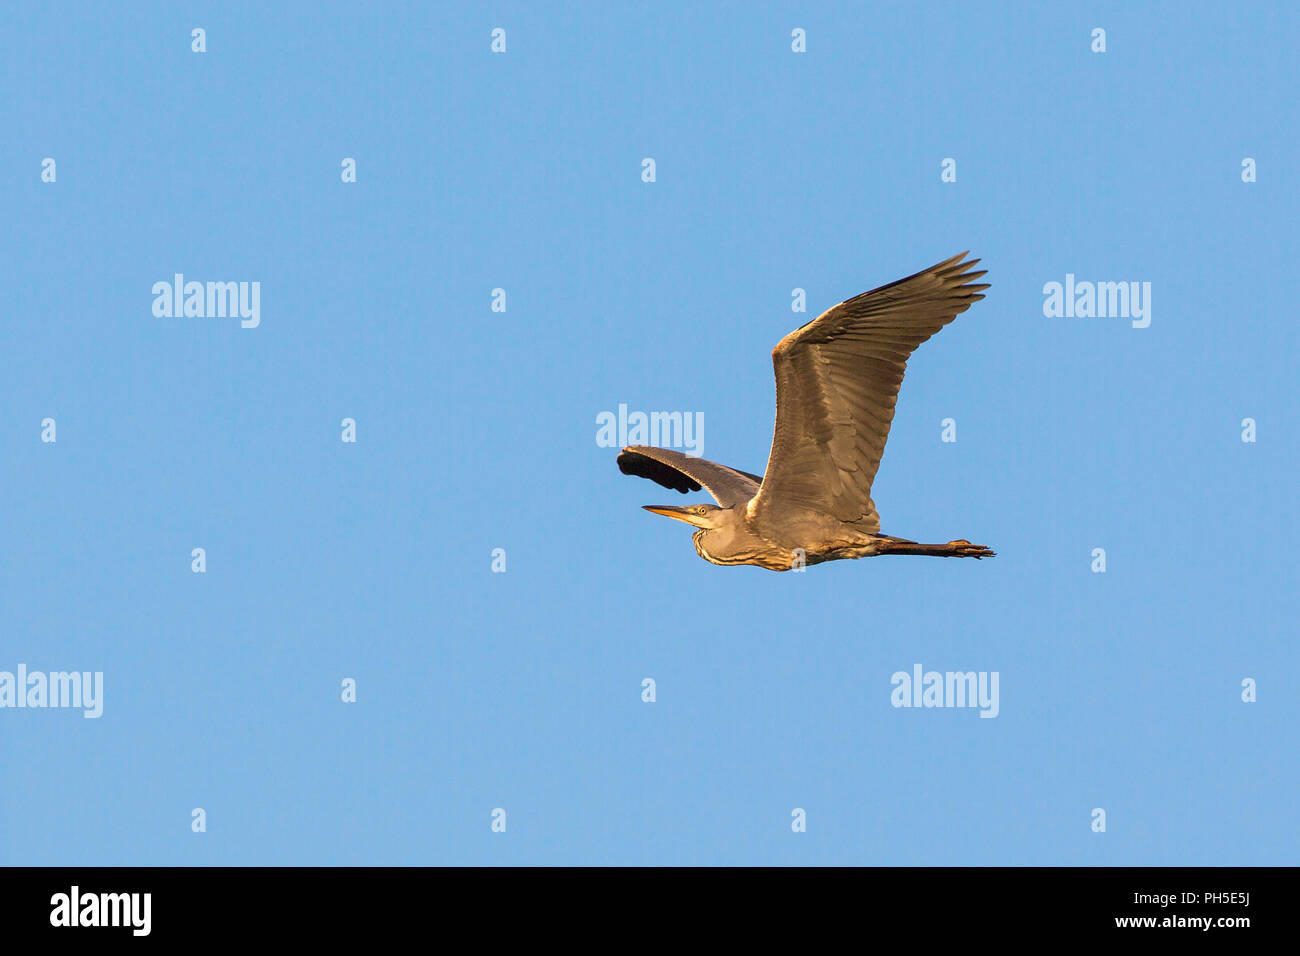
(837, 380)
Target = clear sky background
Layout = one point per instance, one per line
(477, 430)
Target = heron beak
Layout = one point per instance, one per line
(669, 511)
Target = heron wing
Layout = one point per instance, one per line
(683, 473)
(837, 380)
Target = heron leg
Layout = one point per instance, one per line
(961, 548)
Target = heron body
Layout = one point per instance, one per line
(837, 382)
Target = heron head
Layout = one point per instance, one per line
(701, 516)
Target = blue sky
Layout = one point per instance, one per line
(477, 430)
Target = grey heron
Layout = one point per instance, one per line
(837, 381)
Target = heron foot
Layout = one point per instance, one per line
(961, 548)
